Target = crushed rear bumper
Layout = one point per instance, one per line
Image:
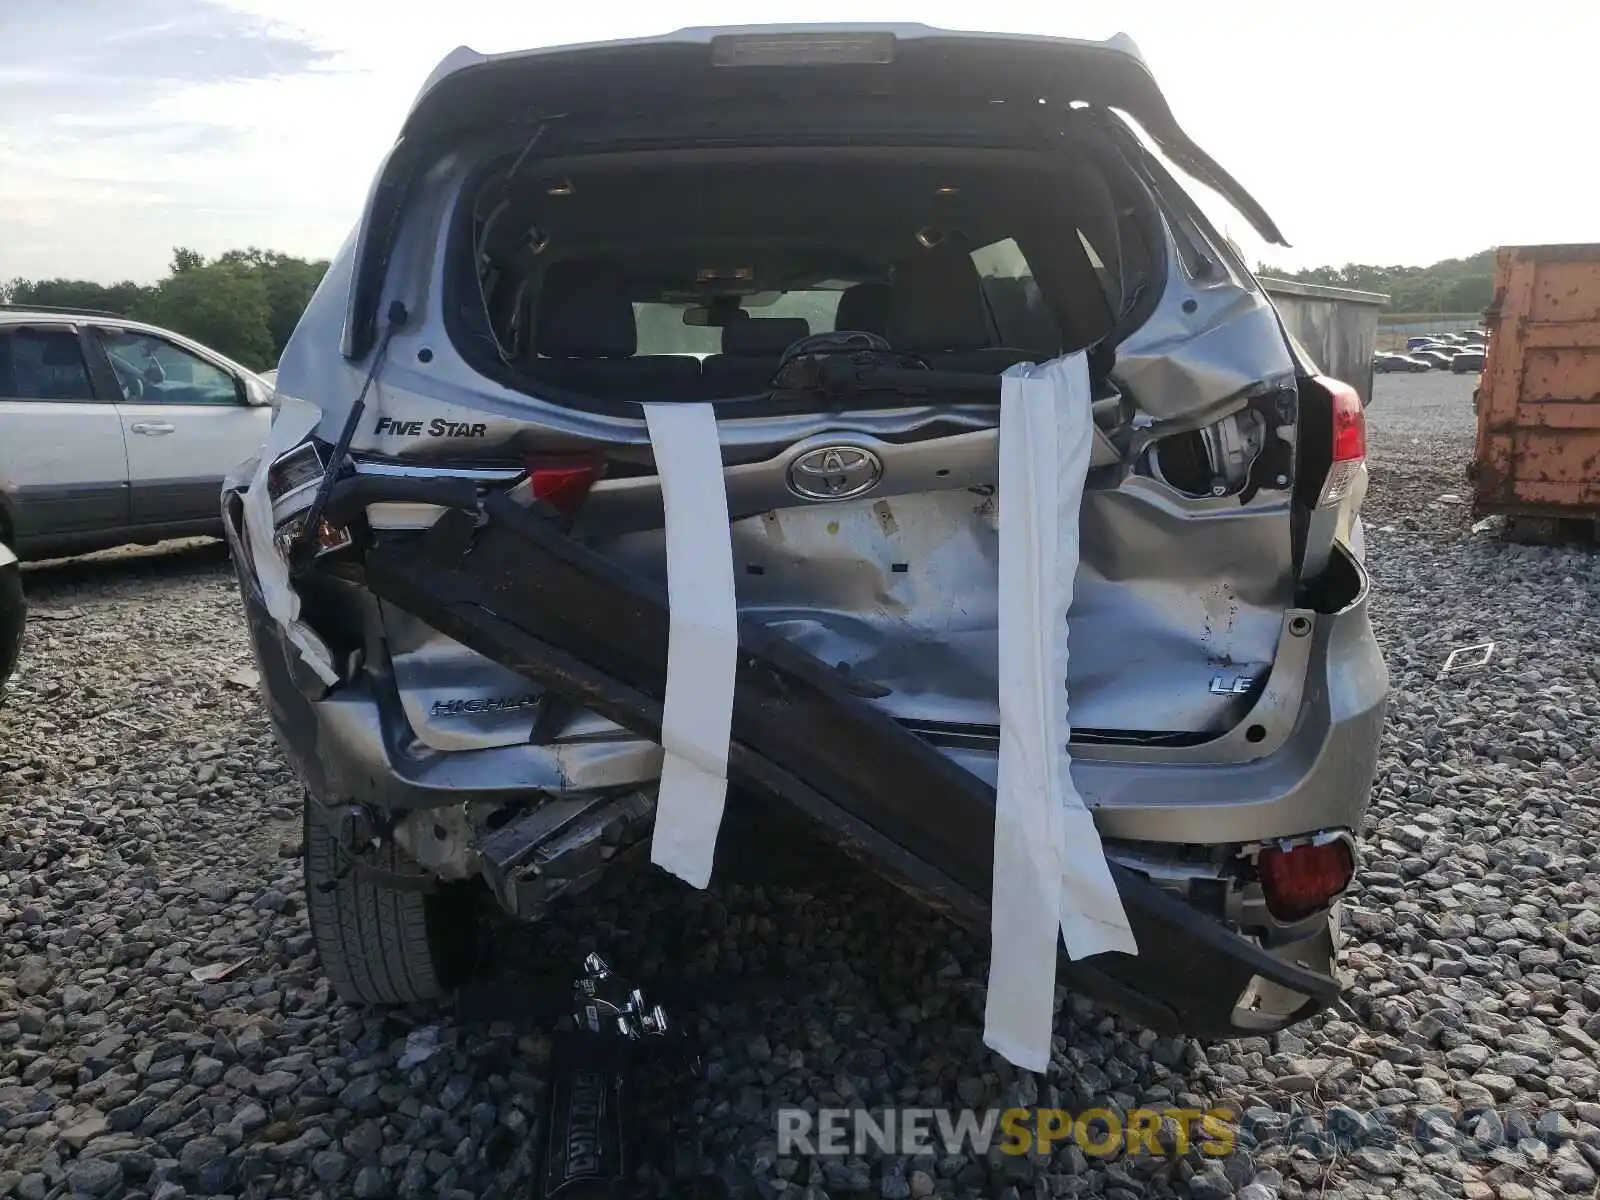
(518, 591)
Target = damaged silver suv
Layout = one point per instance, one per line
(452, 558)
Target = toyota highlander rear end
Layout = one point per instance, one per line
(839, 238)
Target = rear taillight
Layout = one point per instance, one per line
(327, 539)
(1301, 879)
(562, 483)
(299, 468)
(1349, 441)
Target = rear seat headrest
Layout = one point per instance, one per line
(60, 351)
(763, 335)
(936, 301)
(584, 312)
(863, 308)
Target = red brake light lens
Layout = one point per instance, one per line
(562, 483)
(1349, 422)
(1349, 441)
(1300, 880)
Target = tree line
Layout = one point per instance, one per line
(1455, 285)
(244, 303)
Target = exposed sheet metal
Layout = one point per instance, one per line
(904, 590)
(1049, 868)
(703, 644)
(1207, 344)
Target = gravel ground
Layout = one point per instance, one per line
(148, 827)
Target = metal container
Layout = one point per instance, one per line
(1538, 452)
(1336, 327)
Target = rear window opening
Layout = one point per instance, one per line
(660, 276)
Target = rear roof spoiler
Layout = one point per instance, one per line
(1110, 73)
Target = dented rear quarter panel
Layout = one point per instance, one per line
(1538, 438)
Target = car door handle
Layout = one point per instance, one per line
(154, 428)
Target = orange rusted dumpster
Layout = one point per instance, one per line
(1538, 452)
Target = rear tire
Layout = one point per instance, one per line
(379, 944)
(13, 616)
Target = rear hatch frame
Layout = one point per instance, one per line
(470, 91)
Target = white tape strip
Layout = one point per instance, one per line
(703, 641)
(290, 425)
(1050, 871)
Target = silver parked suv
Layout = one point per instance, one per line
(840, 237)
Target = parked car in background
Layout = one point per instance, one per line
(1237, 791)
(1435, 356)
(114, 431)
(13, 613)
(1417, 343)
(1476, 337)
(1467, 361)
(1387, 364)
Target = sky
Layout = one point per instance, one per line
(1372, 131)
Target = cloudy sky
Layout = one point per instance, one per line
(1372, 131)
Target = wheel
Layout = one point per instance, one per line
(13, 614)
(381, 944)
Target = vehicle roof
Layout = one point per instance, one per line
(464, 57)
(14, 314)
(69, 316)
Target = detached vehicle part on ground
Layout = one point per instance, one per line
(841, 238)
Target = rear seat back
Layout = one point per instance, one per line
(937, 310)
(863, 308)
(585, 338)
(751, 351)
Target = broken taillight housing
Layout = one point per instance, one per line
(1349, 441)
(328, 538)
(298, 468)
(562, 483)
(1299, 880)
